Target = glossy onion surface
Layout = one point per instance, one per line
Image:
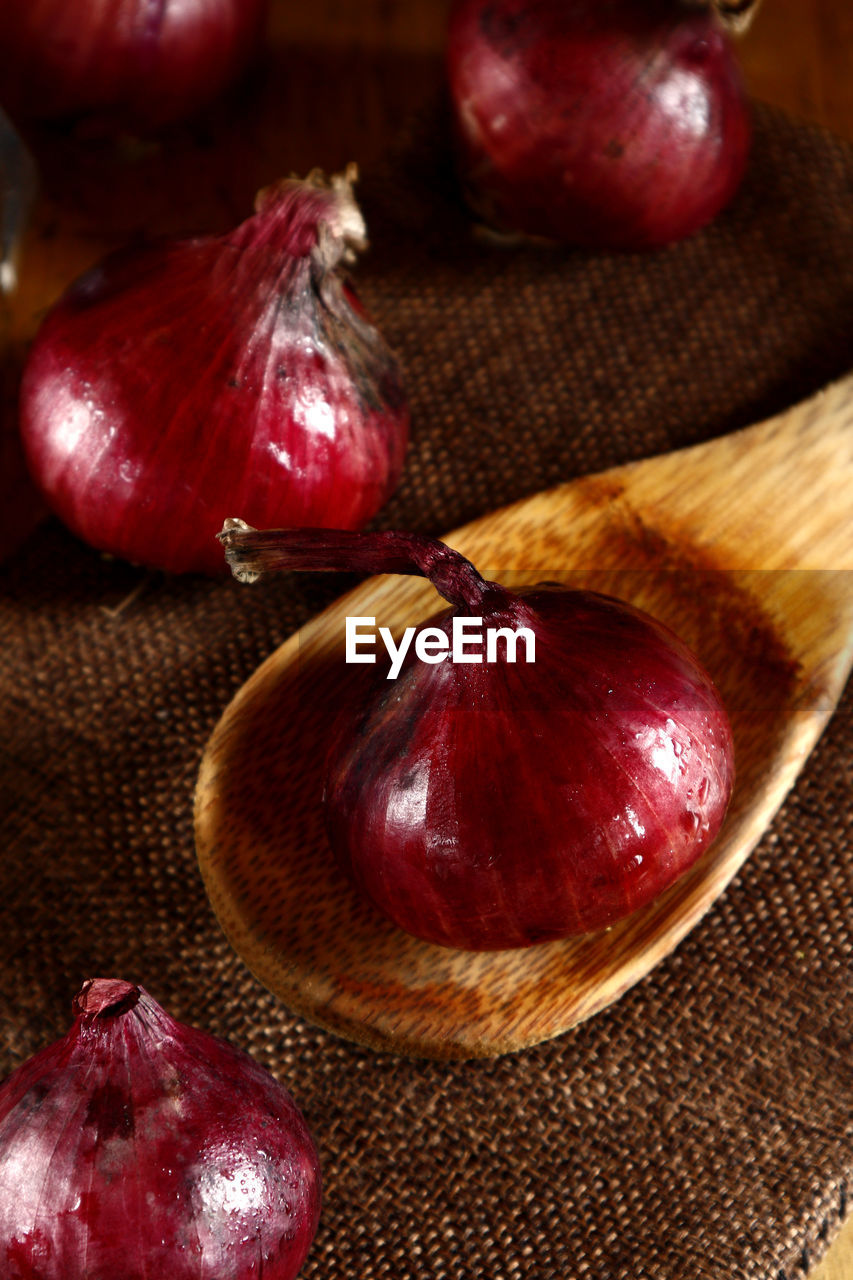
(136, 1147)
(599, 123)
(176, 384)
(497, 805)
(128, 63)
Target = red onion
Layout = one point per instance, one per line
(178, 382)
(488, 805)
(615, 124)
(139, 1147)
(132, 63)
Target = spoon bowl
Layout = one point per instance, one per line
(743, 546)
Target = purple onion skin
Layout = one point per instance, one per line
(128, 64)
(137, 1147)
(493, 806)
(606, 124)
(175, 384)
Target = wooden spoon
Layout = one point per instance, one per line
(743, 545)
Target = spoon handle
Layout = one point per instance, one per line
(775, 496)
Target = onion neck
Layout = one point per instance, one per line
(315, 217)
(105, 998)
(250, 553)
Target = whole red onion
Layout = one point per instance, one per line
(130, 63)
(615, 124)
(181, 381)
(138, 1147)
(489, 805)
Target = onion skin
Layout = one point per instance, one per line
(605, 124)
(178, 382)
(136, 1147)
(498, 805)
(133, 64)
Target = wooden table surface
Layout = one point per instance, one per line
(355, 68)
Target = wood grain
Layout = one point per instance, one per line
(743, 546)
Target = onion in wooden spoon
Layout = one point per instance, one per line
(735, 544)
(526, 765)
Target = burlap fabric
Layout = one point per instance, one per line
(701, 1128)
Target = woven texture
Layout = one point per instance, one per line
(702, 1126)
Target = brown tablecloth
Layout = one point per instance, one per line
(700, 1128)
